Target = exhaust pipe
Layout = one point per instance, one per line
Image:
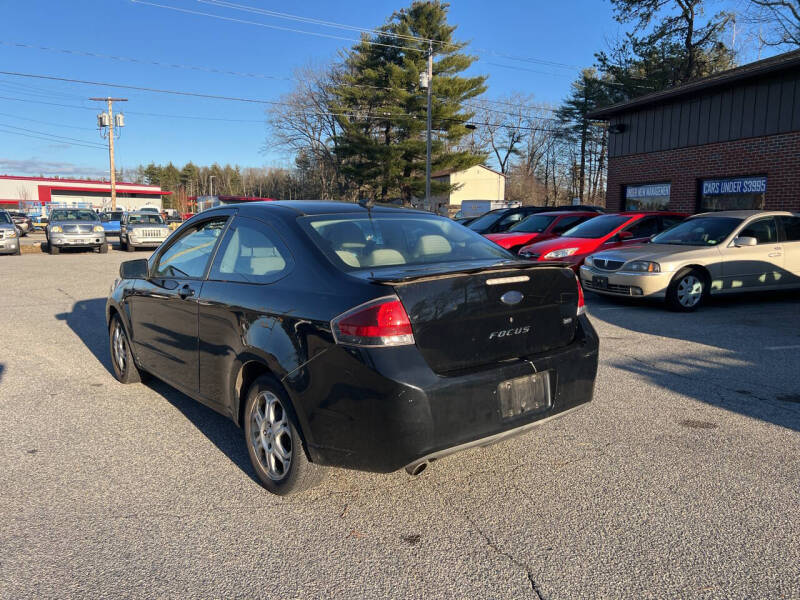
(417, 468)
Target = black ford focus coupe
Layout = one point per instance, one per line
(355, 336)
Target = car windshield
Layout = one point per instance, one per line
(146, 219)
(700, 231)
(73, 215)
(533, 224)
(486, 220)
(598, 227)
(4, 218)
(390, 240)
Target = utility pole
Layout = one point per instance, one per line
(428, 143)
(211, 183)
(107, 120)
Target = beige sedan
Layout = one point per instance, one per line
(710, 253)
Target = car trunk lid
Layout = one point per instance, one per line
(469, 317)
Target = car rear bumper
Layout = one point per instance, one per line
(382, 410)
(636, 285)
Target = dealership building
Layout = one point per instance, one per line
(728, 141)
(36, 195)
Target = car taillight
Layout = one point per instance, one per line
(581, 302)
(382, 322)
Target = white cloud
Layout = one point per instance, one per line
(35, 166)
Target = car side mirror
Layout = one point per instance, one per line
(134, 269)
(625, 235)
(740, 242)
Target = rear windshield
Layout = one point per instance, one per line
(700, 231)
(73, 215)
(146, 219)
(4, 218)
(533, 224)
(384, 240)
(486, 220)
(598, 227)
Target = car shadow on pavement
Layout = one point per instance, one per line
(220, 431)
(743, 357)
(2, 368)
(87, 321)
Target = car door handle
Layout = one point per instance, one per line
(185, 292)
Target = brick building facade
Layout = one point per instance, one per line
(729, 141)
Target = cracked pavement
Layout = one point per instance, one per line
(681, 478)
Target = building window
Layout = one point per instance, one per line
(650, 196)
(738, 193)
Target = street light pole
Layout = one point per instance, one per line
(428, 203)
(211, 183)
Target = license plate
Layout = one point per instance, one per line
(599, 282)
(524, 395)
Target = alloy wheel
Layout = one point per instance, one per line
(118, 343)
(690, 291)
(271, 436)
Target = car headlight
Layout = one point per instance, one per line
(643, 266)
(98, 228)
(563, 253)
(12, 233)
(588, 261)
(56, 229)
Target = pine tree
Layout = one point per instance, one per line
(382, 110)
(588, 94)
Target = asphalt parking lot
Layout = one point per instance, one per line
(680, 480)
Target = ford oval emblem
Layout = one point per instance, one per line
(511, 298)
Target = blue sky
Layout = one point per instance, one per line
(567, 32)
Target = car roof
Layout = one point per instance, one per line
(744, 214)
(320, 207)
(571, 213)
(633, 213)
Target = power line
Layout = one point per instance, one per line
(278, 27)
(50, 138)
(42, 122)
(377, 32)
(233, 98)
(226, 72)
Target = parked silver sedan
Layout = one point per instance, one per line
(9, 234)
(75, 228)
(142, 229)
(712, 253)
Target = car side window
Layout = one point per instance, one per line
(567, 223)
(189, 255)
(667, 222)
(510, 220)
(791, 228)
(251, 252)
(644, 227)
(764, 230)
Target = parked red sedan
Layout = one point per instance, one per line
(601, 233)
(539, 227)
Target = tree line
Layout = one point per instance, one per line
(356, 128)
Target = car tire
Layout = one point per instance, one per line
(53, 249)
(104, 248)
(122, 362)
(130, 247)
(687, 290)
(18, 250)
(274, 443)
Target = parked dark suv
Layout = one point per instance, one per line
(369, 338)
